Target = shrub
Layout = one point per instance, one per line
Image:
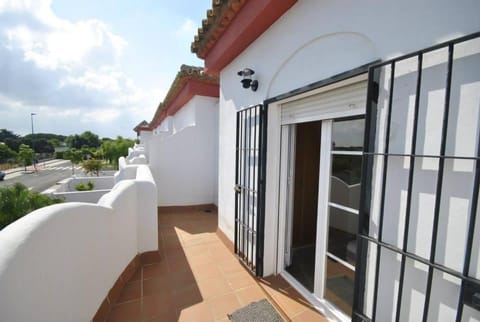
(92, 166)
(82, 187)
(16, 201)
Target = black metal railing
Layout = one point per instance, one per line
(250, 186)
(416, 73)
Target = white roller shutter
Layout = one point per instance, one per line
(339, 102)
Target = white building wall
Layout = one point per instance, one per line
(458, 180)
(183, 155)
(313, 41)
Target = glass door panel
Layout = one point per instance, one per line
(300, 252)
(346, 162)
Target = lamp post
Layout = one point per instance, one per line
(33, 142)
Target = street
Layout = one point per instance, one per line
(47, 175)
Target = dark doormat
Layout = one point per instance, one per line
(261, 311)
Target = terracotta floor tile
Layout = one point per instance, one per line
(202, 259)
(230, 266)
(195, 242)
(205, 272)
(199, 279)
(240, 280)
(250, 294)
(183, 278)
(196, 313)
(126, 312)
(130, 292)
(186, 296)
(169, 242)
(197, 250)
(213, 287)
(174, 253)
(178, 264)
(137, 275)
(155, 270)
(291, 302)
(275, 282)
(223, 305)
(309, 315)
(162, 284)
(158, 305)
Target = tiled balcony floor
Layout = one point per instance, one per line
(199, 279)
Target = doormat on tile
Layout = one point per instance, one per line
(261, 311)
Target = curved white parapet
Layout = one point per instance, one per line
(141, 159)
(59, 262)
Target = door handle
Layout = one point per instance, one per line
(237, 188)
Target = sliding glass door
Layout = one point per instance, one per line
(323, 171)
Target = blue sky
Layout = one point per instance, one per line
(91, 65)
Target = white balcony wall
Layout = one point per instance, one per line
(59, 262)
(183, 156)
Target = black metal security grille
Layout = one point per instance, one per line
(399, 168)
(250, 186)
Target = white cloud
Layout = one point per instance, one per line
(68, 70)
(101, 116)
(188, 28)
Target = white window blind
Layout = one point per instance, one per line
(344, 101)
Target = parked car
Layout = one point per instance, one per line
(2, 175)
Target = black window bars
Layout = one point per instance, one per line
(250, 186)
(378, 252)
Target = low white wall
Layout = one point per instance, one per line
(59, 262)
(66, 189)
(92, 196)
(99, 183)
(184, 156)
(126, 171)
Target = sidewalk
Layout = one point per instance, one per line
(30, 168)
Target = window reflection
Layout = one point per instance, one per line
(347, 135)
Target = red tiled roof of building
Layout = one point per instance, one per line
(190, 81)
(217, 20)
(142, 126)
(231, 26)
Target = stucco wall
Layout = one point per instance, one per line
(183, 156)
(59, 262)
(456, 193)
(315, 40)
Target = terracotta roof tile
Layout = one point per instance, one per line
(143, 125)
(217, 20)
(185, 74)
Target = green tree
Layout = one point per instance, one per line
(13, 144)
(75, 157)
(92, 166)
(99, 155)
(6, 134)
(90, 139)
(16, 201)
(6, 154)
(25, 155)
(117, 148)
(55, 143)
(87, 138)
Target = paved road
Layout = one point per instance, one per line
(46, 176)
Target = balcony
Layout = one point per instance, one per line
(197, 278)
(124, 259)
